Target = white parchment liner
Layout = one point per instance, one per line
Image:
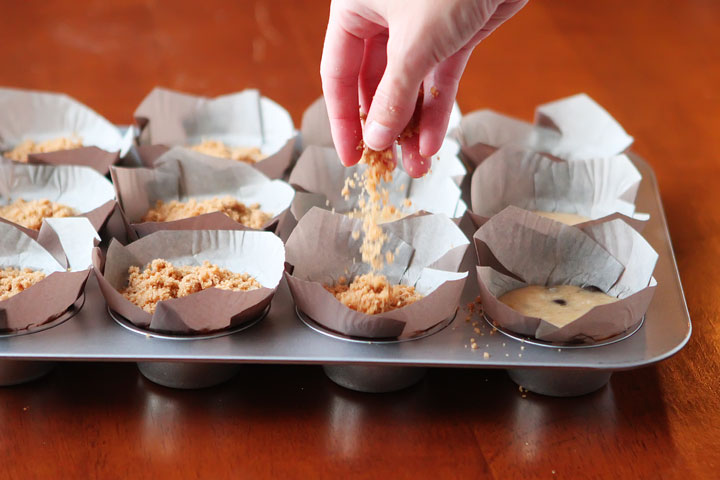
(61, 287)
(242, 119)
(40, 116)
(315, 131)
(319, 177)
(572, 128)
(517, 248)
(594, 188)
(428, 251)
(81, 188)
(260, 254)
(181, 174)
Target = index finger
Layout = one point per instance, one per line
(339, 70)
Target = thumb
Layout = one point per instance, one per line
(396, 94)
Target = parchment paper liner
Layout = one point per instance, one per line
(60, 289)
(428, 251)
(595, 188)
(319, 177)
(517, 248)
(245, 118)
(181, 174)
(260, 254)
(40, 116)
(572, 128)
(315, 131)
(81, 188)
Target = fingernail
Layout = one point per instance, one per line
(377, 136)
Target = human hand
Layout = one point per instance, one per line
(378, 53)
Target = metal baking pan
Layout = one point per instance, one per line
(381, 366)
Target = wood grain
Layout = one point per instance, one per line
(652, 64)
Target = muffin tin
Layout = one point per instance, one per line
(282, 337)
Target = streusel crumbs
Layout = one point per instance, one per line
(373, 294)
(217, 148)
(26, 147)
(30, 214)
(14, 281)
(249, 215)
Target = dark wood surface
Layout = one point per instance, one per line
(654, 65)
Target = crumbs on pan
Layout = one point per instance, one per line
(14, 281)
(249, 215)
(27, 147)
(217, 148)
(373, 294)
(161, 280)
(30, 214)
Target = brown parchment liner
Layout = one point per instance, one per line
(596, 188)
(47, 299)
(261, 254)
(169, 118)
(319, 177)
(572, 128)
(428, 251)
(180, 174)
(38, 116)
(315, 131)
(517, 248)
(81, 188)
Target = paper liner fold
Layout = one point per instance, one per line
(517, 248)
(181, 174)
(320, 177)
(52, 296)
(242, 119)
(42, 116)
(81, 188)
(596, 188)
(260, 254)
(572, 128)
(428, 251)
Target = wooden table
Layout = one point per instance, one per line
(650, 63)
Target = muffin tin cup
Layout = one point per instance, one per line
(372, 378)
(15, 372)
(187, 375)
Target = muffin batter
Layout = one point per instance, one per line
(562, 217)
(557, 305)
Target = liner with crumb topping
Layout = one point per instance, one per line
(572, 128)
(66, 274)
(517, 248)
(428, 250)
(81, 188)
(181, 174)
(244, 119)
(595, 188)
(315, 131)
(40, 116)
(319, 178)
(260, 254)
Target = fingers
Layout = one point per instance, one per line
(408, 62)
(372, 69)
(339, 69)
(415, 164)
(441, 87)
(502, 13)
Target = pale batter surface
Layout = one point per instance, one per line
(217, 148)
(14, 281)
(30, 214)
(22, 150)
(566, 218)
(161, 280)
(372, 294)
(557, 305)
(249, 215)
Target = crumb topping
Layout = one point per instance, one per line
(249, 215)
(14, 281)
(373, 294)
(26, 147)
(161, 280)
(216, 148)
(30, 214)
